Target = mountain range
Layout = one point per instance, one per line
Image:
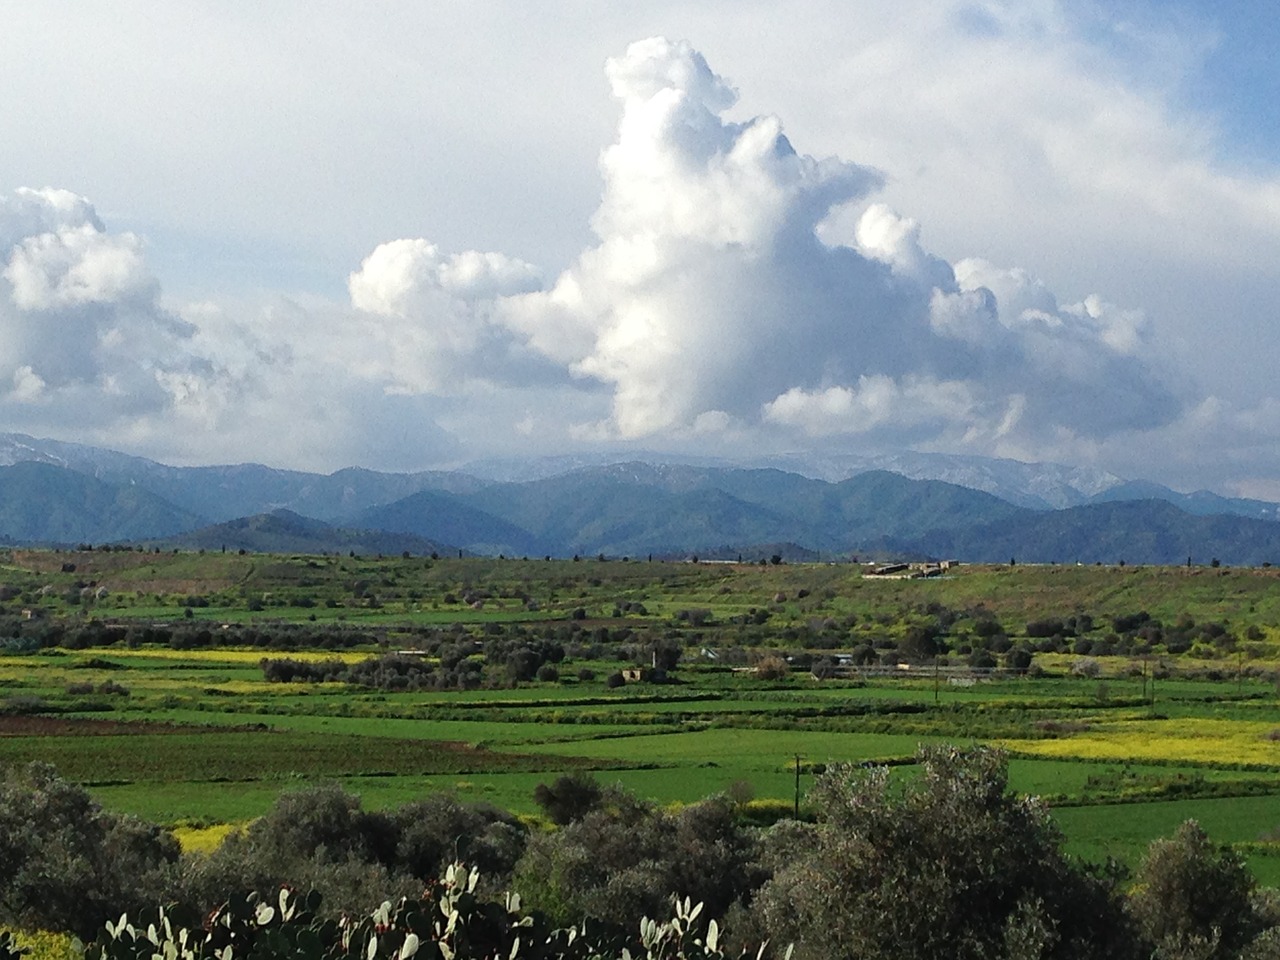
(908, 505)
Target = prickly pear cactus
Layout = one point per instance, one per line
(449, 922)
(246, 927)
(9, 949)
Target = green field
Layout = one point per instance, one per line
(148, 688)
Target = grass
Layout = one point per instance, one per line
(1118, 769)
(1124, 831)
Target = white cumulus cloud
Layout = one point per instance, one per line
(81, 326)
(711, 299)
(431, 317)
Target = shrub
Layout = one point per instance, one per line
(1087, 667)
(320, 837)
(1191, 894)
(1047, 628)
(317, 838)
(772, 667)
(1018, 660)
(953, 866)
(568, 798)
(433, 832)
(987, 627)
(624, 859)
(824, 668)
(981, 660)
(289, 670)
(922, 641)
(69, 864)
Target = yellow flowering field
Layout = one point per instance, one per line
(1180, 740)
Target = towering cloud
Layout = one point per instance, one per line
(710, 299)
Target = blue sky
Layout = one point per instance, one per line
(408, 235)
(1240, 83)
(1230, 75)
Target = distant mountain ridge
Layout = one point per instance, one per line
(42, 502)
(1130, 531)
(283, 531)
(1045, 486)
(235, 490)
(54, 492)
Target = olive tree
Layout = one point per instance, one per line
(952, 865)
(67, 864)
(626, 858)
(1193, 898)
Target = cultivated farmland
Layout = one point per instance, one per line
(191, 689)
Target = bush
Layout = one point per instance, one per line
(1047, 628)
(1193, 895)
(1018, 660)
(433, 832)
(772, 667)
(325, 819)
(69, 864)
(318, 837)
(1087, 667)
(289, 670)
(568, 798)
(922, 641)
(321, 838)
(625, 859)
(987, 627)
(981, 660)
(953, 866)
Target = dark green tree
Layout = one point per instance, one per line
(67, 864)
(1193, 898)
(953, 866)
(568, 798)
(625, 859)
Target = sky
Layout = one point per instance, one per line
(405, 236)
